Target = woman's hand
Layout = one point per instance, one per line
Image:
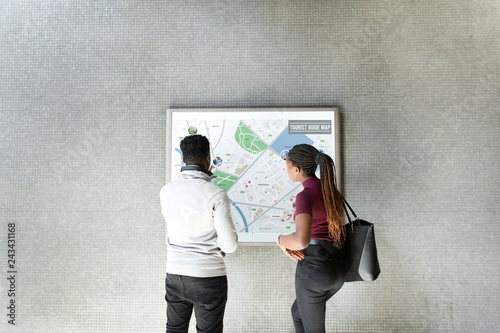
(294, 254)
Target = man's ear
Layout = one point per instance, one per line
(208, 161)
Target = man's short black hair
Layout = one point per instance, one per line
(194, 148)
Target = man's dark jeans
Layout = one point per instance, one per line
(208, 297)
(317, 278)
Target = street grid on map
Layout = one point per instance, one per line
(248, 163)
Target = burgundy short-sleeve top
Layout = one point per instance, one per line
(310, 201)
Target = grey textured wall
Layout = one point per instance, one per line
(84, 89)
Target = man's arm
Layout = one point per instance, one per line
(227, 238)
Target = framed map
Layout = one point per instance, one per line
(248, 147)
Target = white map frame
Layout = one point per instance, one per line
(305, 121)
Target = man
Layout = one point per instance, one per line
(199, 233)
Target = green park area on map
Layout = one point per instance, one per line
(224, 181)
(248, 140)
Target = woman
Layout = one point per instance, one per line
(318, 241)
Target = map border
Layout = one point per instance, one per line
(271, 113)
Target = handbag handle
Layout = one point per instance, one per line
(344, 203)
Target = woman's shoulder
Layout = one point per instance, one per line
(307, 194)
(311, 192)
(313, 185)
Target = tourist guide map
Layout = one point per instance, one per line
(248, 151)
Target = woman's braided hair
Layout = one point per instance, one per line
(307, 158)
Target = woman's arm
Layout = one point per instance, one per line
(301, 237)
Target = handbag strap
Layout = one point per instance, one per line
(344, 203)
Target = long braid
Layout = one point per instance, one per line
(333, 200)
(307, 158)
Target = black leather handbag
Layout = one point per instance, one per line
(361, 249)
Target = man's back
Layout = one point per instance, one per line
(199, 225)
